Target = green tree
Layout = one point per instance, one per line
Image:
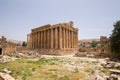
(93, 44)
(115, 38)
(24, 43)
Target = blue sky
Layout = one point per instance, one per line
(94, 18)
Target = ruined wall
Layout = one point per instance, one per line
(102, 47)
(10, 48)
(105, 45)
(7, 47)
(3, 44)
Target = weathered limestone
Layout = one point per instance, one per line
(7, 47)
(54, 39)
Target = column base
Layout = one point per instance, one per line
(57, 51)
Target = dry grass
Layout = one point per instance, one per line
(48, 69)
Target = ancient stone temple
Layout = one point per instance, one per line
(54, 39)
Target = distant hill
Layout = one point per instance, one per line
(89, 40)
(15, 41)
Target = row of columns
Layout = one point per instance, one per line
(55, 38)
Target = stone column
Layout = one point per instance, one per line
(48, 39)
(56, 38)
(60, 37)
(63, 37)
(45, 39)
(52, 38)
(71, 39)
(35, 40)
(41, 43)
(32, 40)
(76, 39)
(39, 40)
(66, 38)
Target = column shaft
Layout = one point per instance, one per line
(41, 43)
(32, 40)
(48, 39)
(51, 38)
(39, 40)
(35, 40)
(66, 38)
(60, 37)
(63, 37)
(69, 39)
(45, 39)
(72, 39)
(56, 39)
(77, 40)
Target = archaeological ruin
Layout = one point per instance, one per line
(0, 51)
(60, 38)
(2, 44)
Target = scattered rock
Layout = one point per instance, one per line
(5, 76)
(27, 55)
(113, 77)
(7, 59)
(81, 54)
(6, 71)
(99, 77)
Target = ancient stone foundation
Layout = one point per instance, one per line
(54, 39)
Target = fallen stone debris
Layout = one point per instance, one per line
(6, 58)
(92, 68)
(80, 54)
(5, 76)
(27, 55)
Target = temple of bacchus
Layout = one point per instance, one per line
(60, 38)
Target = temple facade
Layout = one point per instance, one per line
(54, 39)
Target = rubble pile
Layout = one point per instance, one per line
(81, 54)
(114, 70)
(6, 58)
(5, 76)
(27, 55)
